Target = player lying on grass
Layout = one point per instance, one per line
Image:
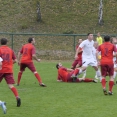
(64, 75)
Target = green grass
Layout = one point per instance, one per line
(57, 99)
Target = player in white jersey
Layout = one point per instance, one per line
(95, 58)
(87, 55)
(114, 41)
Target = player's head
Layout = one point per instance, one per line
(31, 40)
(58, 65)
(90, 36)
(107, 38)
(79, 41)
(4, 41)
(98, 34)
(113, 40)
(96, 44)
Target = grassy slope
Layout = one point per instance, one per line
(58, 16)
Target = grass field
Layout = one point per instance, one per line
(57, 99)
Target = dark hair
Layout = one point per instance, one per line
(30, 39)
(4, 41)
(57, 66)
(106, 38)
(89, 34)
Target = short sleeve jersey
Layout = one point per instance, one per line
(87, 49)
(8, 56)
(62, 74)
(27, 51)
(107, 50)
(99, 40)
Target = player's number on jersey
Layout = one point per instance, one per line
(106, 51)
(6, 57)
(25, 51)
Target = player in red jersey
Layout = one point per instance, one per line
(28, 53)
(78, 61)
(106, 63)
(6, 72)
(64, 75)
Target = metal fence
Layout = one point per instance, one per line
(48, 46)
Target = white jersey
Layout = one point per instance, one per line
(1, 59)
(87, 49)
(94, 53)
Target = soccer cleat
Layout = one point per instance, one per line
(18, 102)
(110, 93)
(105, 92)
(95, 81)
(42, 85)
(3, 105)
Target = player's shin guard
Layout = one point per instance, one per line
(114, 76)
(15, 92)
(111, 83)
(103, 83)
(38, 77)
(19, 78)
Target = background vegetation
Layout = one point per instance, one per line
(58, 16)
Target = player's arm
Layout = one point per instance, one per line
(59, 78)
(79, 49)
(69, 70)
(14, 57)
(35, 58)
(1, 63)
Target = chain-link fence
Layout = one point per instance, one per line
(48, 46)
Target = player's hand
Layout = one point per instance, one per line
(38, 60)
(98, 62)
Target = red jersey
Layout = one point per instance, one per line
(79, 54)
(107, 49)
(62, 74)
(8, 56)
(27, 51)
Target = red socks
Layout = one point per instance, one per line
(111, 83)
(14, 90)
(19, 77)
(38, 77)
(103, 83)
(88, 80)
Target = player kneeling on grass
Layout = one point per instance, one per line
(65, 75)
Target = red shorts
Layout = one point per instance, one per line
(79, 62)
(8, 77)
(105, 68)
(29, 65)
(69, 79)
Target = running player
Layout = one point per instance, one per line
(6, 72)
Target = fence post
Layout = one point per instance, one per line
(74, 43)
(12, 41)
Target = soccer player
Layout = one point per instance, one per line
(87, 56)
(106, 63)
(28, 53)
(64, 75)
(6, 72)
(3, 105)
(78, 61)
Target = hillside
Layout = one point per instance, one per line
(58, 16)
